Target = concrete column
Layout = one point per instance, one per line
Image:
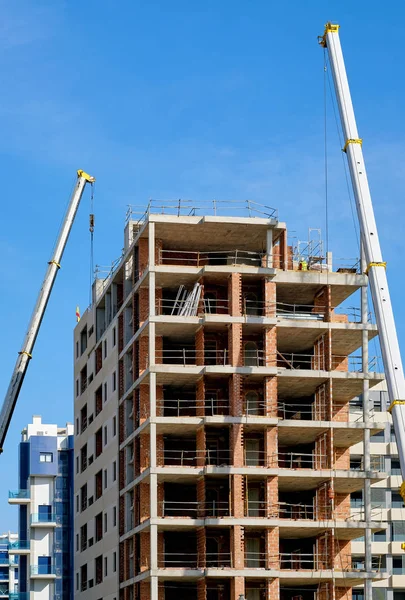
(269, 248)
(366, 438)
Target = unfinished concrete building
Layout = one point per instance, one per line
(235, 369)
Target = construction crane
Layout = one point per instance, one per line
(371, 246)
(25, 354)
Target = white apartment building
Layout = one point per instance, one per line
(44, 497)
(96, 456)
(386, 504)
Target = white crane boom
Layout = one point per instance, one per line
(25, 353)
(369, 237)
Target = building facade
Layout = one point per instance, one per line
(45, 501)
(386, 504)
(8, 567)
(213, 377)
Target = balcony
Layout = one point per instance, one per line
(191, 357)
(194, 510)
(352, 364)
(19, 547)
(43, 520)
(183, 407)
(19, 596)
(189, 258)
(19, 497)
(42, 572)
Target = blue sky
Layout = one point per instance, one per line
(214, 99)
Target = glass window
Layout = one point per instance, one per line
(397, 565)
(356, 463)
(378, 593)
(392, 435)
(378, 497)
(114, 386)
(379, 536)
(114, 470)
(114, 562)
(114, 516)
(358, 594)
(396, 500)
(399, 594)
(358, 563)
(398, 531)
(379, 562)
(377, 437)
(45, 457)
(114, 336)
(395, 466)
(114, 426)
(356, 499)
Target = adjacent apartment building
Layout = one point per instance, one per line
(386, 504)
(45, 502)
(213, 377)
(8, 567)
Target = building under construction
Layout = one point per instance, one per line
(214, 373)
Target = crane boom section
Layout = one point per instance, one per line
(25, 354)
(371, 244)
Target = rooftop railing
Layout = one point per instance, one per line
(187, 207)
(192, 258)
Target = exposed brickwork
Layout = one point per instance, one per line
(200, 445)
(272, 548)
(199, 346)
(235, 344)
(143, 256)
(202, 589)
(236, 440)
(201, 547)
(201, 497)
(235, 294)
(271, 446)
(273, 589)
(144, 403)
(343, 593)
(238, 547)
(342, 458)
(343, 555)
(235, 395)
(144, 550)
(237, 496)
(270, 347)
(272, 497)
(269, 298)
(200, 397)
(143, 305)
(270, 396)
(237, 587)
(144, 501)
(342, 506)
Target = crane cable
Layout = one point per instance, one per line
(91, 229)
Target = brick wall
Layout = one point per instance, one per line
(272, 548)
(270, 396)
(200, 446)
(270, 347)
(272, 497)
(235, 344)
(143, 403)
(238, 547)
(201, 497)
(199, 346)
(144, 550)
(342, 506)
(271, 446)
(200, 397)
(235, 294)
(343, 555)
(235, 395)
(342, 458)
(201, 547)
(272, 589)
(144, 501)
(269, 298)
(237, 587)
(143, 256)
(202, 589)
(143, 304)
(237, 444)
(237, 496)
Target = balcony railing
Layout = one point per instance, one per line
(191, 560)
(16, 494)
(43, 518)
(42, 570)
(19, 596)
(20, 545)
(194, 510)
(318, 362)
(193, 458)
(217, 258)
(188, 357)
(182, 407)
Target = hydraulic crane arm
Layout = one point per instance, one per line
(25, 354)
(369, 237)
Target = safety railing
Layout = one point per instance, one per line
(189, 207)
(190, 258)
(187, 357)
(192, 560)
(376, 463)
(300, 411)
(172, 307)
(193, 510)
(319, 362)
(19, 494)
(358, 514)
(172, 407)
(193, 458)
(299, 460)
(285, 510)
(346, 265)
(293, 561)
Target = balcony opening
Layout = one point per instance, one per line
(301, 456)
(300, 554)
(255, 589)
(254, 403)
(253, 355)
(215, 299)
(178, 401)
(83, 418)
(300, 409)
(99, 441)
(299, 505)
(180, 550)
(255, 500)
(299, 593)
(218, 554)
(177, 352)
(99, 484)
(254, 450)
(255, 554)
(217, 446)
(252, 299)
(218, 589)
(180, 451)
(215, 348)
(98, 400)
(216, 397)
(180, 590)
(180, 500)
(216, 498)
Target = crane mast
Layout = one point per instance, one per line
(25, 354)
(371, 244)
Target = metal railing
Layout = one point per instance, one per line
(192, 560)
(192, 458)
(376, 463)
(303, 561)
(318, 362)
(193, 510)
(183, 407)
(171, 307)
(187, 207)
(187, 357)
(19, 596)
(299, 460)
(23, 494)
(191, 258)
